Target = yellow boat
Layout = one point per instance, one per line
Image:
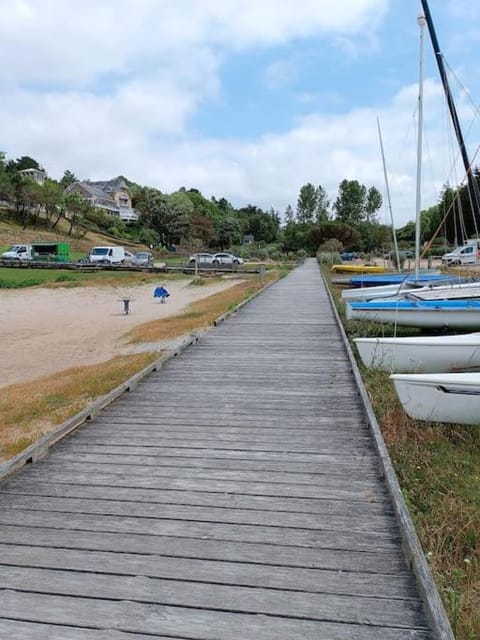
(357, 268)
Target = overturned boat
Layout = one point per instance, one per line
(424, 314)
(440, 397)
(420, 354)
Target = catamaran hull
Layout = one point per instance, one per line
(447, 397)
(421, 354)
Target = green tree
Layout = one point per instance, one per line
(318, 234)
(289, 215)
(306, 203)
(26, 162)
(68, 178)
(322, 205)
(168, 215)
(52, 199)
(75, 210)
(228, 232)
(373, 203)
(202, 228)
(350, 203)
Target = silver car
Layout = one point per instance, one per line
(143, 259)
(226, 259)
(201, 258)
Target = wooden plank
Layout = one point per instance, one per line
(262, 554)
(197, 624)
(285, 458)
(361, 482)
(211, 571)
(334, 488)
(20, 630)
(363, 522)
(365, 466)
(239, 599)
(283, 536)
(198, 498)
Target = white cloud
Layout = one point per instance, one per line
(108, 87)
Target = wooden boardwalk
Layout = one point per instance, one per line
(234, 495)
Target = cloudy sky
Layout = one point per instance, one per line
(243, 99)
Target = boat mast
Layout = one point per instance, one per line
(388, 196)
(418, 207)
(472, 182)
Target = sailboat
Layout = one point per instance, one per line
(440, 397)
(424, 314)
(419, 354)
(427, 310)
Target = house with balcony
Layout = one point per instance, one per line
(113, 196)
(38, 175)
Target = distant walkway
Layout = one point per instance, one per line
(232, 496)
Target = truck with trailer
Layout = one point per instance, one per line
(39, 252)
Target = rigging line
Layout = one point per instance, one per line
(458, 218)
(467, 185)
(447, 213)
(475, 108)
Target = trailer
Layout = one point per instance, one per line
(51, 251)
(39, 252)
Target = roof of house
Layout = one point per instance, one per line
(109, 185)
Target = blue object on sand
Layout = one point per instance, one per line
(161, 292)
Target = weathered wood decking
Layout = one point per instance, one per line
(234, 495)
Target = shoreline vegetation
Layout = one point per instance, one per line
(438, 469)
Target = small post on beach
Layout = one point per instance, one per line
(262, 272)
(126, 305)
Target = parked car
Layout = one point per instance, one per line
(226, 259)
(128, 257)
(348, 255)
(107, 255)
(143, 258)
(403, 255)
(201, 258)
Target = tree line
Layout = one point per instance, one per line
(187, 217)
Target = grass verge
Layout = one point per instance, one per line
(31, 409)
(438, 467)
(23, 277)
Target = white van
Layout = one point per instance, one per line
(107, 255)
(469, 253)
(18, 252)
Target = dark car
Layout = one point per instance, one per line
(348, 255)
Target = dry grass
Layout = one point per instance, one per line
(438, 469)
(199, 314)
(29, 410)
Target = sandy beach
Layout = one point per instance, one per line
(44, 331)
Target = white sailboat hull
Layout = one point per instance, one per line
(421, 354)
(372, 293)
(441, 397)
(441, 292)
(419, 317)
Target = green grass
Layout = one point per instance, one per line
(15, 278)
